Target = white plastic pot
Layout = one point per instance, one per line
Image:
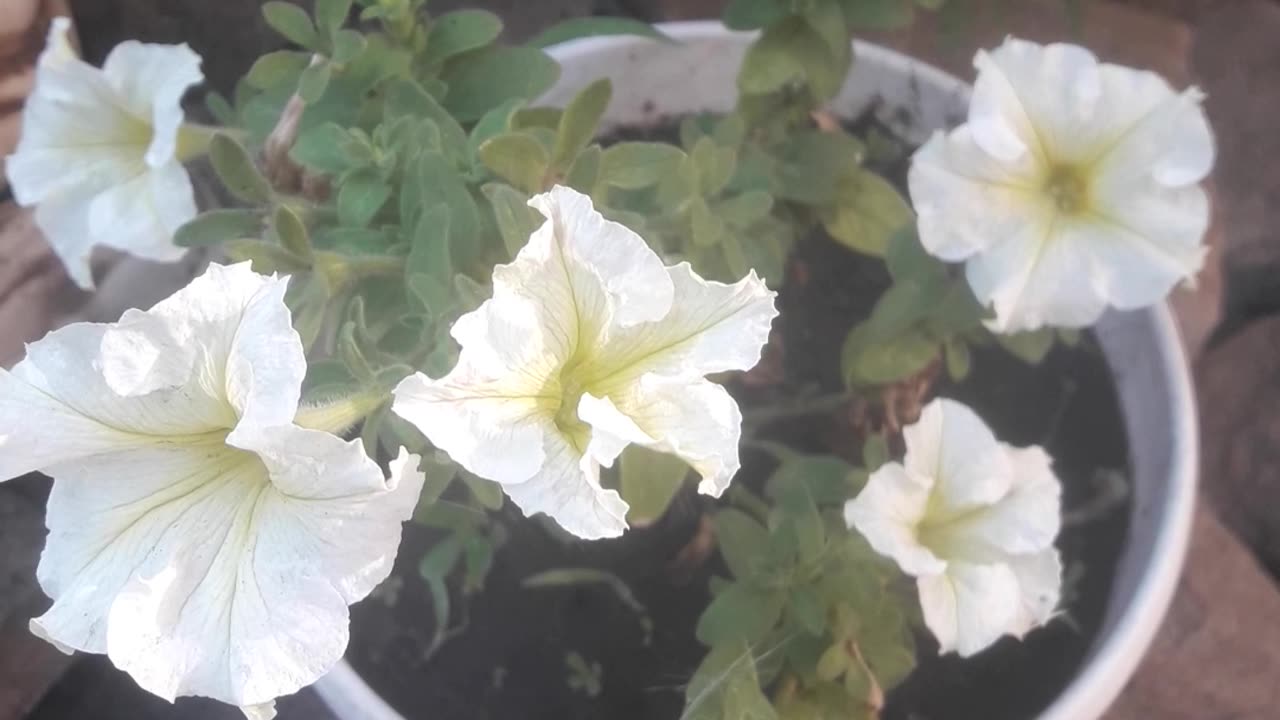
(652, 80)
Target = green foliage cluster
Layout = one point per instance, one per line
(809, 610)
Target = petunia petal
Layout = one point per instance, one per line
(1038, 280)
(569, 492)
(1023, 522)
(1041, 99)
(887, 511)
(150, 80)
(1145, 246)
(139, 215)
(712, 327)
(954, 447)
(1040, 588)
(969, 607)
(611, 430)
(631, 274)
(699, 422)
(965, 199)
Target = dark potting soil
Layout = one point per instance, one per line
(509, 660)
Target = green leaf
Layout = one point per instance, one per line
(432, 180)
(715, 165)
(806, 610)
(216, 226)
(494, 122)
(585, 171)
(877, 14)
(429, 267)
(634, 165)
(825, 478)
(907, 259)
(791, 52)
(516, 220)
(237, 171)
(887, 360)
(347, 46)
(727, 687)
(292, 232)
(810, 165)
(321, 149)
(360, 198)
(868, 211)
(277, 68)
(314, 81)
(481, 80)
(744, 210)
(753, 14)
(406, 98)
(536, 117)
(292, 22)
(517, 158)
(582, 27)
(331, 15)
(457, 32)
(578, 122)
(1030, 347)
(743, 541)
(740, 612)
(707, 228)
(648, 480)
(478, 560)
(220, 108)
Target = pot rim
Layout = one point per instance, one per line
(1114, 658)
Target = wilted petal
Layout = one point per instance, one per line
(888, 511)
(969, 607)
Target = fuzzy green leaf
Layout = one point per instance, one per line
(331, 15)
(347, 46)
(360, 198)
(633, 165)
(516, 220)
(958, 359)
(742, 540)
(882, 361)
(707, 228)
(575, 28)
(291, 232)
(578, 122)
(457, 32)
(292, 22)
(585, 171)
(406, 98)
(277, 68)
(481, 80)
(727, 687)
(1030, 347)
(321, 149)
(788, 53)
(314, 81)
(868, 211)
(216, 226)
(237, 171)
(518, 158)
(740, 612)
(648, 480)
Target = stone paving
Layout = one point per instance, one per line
(1218, 653)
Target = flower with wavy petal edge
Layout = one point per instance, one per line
(1071, 188)
(974, 521)
(589, 344)
(198, 536)
(100, 150)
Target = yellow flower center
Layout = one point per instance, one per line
(1068, 188)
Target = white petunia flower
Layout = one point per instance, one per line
(974, 521)
(100, 151)
(198, 536)
(589, 344)
(1071, 188)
